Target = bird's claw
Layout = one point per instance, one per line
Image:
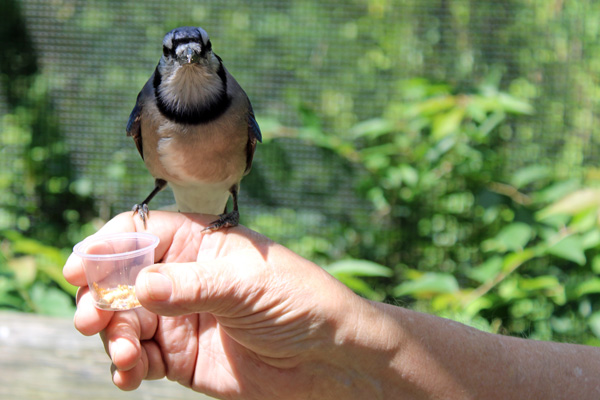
(142, 211)
(228, 220)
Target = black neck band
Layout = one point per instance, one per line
(195, 114)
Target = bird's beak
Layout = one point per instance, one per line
(189, 54)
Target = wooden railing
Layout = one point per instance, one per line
(46, 358)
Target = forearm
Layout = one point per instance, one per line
(398, 353)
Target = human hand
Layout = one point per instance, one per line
(230, 314)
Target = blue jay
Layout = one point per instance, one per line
(194, 128)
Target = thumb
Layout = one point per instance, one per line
(185, 288)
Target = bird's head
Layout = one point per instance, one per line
(186, 47)
(189, 75)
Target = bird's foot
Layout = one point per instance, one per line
(228, 220)
(142, 211)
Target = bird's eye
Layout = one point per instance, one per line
(166, 51)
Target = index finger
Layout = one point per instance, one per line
(73, 269)
(163, 224)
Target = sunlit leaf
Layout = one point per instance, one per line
(585, 221)
(556, 191)
(514, 105)
(481, 303)
(591, 239)
(51, 301)
(509, 290)
(427, 285)
(358, 268)
(596, 264)
(512, 237)
(434, 105)
(594, 323)
(573, 203)
(570, 248)
(410, 176)
(491, 122)
(360, 287)
(24, 269)
(530, 174)
(372, 128)
(561, 325)
(8, 296)
(487, 270)
(447, 123)
(539, 283)
(514, 260)
(587, 287)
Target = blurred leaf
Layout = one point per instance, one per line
(556, 191)
(480, 303)
(529, 174)
(594, 323)
(410, 176)
(572, 204)
(570, 248)
(445, 124)
(440, 149)
(561, 325)
(512, 237)
(596, 264)
(486, 271)
(24, 269)
(358, 268)
(539, 283)
(434, 105)
(509, 290)
(51, 301)
(514, 105)
(403, 175)
(585, 222)
(82, 187)
(491, 122)
(588, 287)
(427, 285)
(271, 128)
(54, 272)
(514, 260)
(8, 294)
(47, 259)
(372, 128)
(591, 239)
(360, 287)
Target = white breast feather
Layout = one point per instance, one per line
(207, 198)
(180, 89)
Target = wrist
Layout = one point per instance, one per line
(361, 362)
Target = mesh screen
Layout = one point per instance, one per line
(342, 59)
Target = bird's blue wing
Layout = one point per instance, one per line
(254, 135)
(134, 126)
(253, 128)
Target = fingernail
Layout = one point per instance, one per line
(159, 287)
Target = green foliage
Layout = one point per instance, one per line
(351, 271)
(31, 276)
(476, 208)
(466, 237)
(43, 211)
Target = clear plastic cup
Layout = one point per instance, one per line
(112, 263)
